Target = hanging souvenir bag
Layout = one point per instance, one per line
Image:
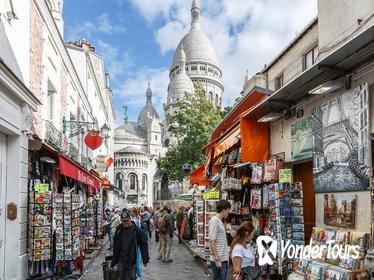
(245, 204)
(265, 197)
(256, 199)
(233, 158)
(271, 170)
(257, 174)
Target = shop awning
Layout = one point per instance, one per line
(197, 177)
(228, 142)
(72, 170)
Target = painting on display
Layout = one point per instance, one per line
(301, 139)
(341, 155)
(340, 210)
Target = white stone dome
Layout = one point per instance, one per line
(197, 47)
(180, 83)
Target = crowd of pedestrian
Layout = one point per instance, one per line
(129, 230)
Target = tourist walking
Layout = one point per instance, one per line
(244, 253)
(219, 250)
(155, 217)
(166, 229)
(179, 221)
(127, 238)
(146, 220)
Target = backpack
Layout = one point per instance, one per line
(161, 224)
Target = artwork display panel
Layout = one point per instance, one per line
(341, 154)
(340, 210)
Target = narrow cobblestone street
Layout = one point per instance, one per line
(182, 268)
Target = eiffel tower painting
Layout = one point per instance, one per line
(340, 142)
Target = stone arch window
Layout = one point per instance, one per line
(216, 101)
(133, 181)
(211, 96)
(144, 182)
(119, 180)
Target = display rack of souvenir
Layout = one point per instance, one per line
(286, 221)
(98, 205)
(88, 223)
(67, 216)
(40, 226)
(209, 212)
(336, 267)
(199, 207)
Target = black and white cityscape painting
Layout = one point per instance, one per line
(341, 155)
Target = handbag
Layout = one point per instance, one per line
(257, 174)
(245, 206)
(271, 170)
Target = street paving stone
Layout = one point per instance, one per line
(183, 267)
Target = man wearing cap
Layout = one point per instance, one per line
(126, 238)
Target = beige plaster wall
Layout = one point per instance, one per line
(280, 141)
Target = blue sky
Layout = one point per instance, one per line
(137, 39)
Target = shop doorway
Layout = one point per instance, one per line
(2, 202)
(303, 172)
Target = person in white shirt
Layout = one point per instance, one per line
(219, 250)
(244, 253)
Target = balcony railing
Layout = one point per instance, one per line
(53, 136)
(73, 152)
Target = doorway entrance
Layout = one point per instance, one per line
(303, 172)
(2, 202)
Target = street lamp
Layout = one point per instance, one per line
(105, 130)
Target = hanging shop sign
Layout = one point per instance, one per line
(285, 176)
(41, 188)
(211, 195)
(73, 171)
(93, 140)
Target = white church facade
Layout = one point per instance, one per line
(137, 146)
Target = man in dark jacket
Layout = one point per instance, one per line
(166, 234)
(127, 236)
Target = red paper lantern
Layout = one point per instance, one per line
(93, 140)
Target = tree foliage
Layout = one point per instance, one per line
(194, 122)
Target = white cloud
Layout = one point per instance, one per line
(117, 64)
(88, 29)
(132, 91)
(167, 42)
(105, 26)
(245, 34)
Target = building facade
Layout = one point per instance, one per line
(137, 145)
(39, 88)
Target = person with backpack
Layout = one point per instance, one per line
(166, 227)
(126, 240)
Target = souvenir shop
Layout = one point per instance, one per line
(64, 214)
(295, 184)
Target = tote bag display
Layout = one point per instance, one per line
(271, 170)
(245, 204)
(257, 174)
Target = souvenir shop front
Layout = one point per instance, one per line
(64, 214)
(325, 143)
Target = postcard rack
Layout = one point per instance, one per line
(67, 215)
(98, 206)
(40, 226)
(286, 218)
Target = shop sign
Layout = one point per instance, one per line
(41, 188)
(211, 195)
(85, 179)
(285, 175)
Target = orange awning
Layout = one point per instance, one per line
(197, 177)
(254, 141)
(227, 142)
